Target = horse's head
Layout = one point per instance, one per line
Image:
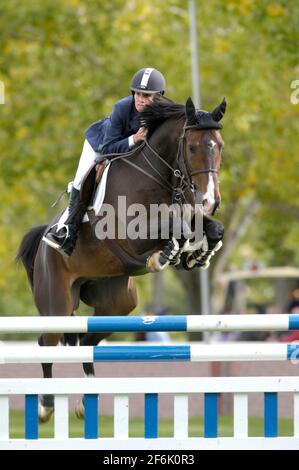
(202, 152)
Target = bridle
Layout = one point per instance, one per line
(181, 176)
(183, 163)
(183, 143)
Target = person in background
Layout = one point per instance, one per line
(159, 336)
(291, 335)
(294, 302)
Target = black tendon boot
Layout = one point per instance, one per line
(65, 239)
(212, 242)
(214, 231)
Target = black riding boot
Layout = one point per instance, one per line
(65, 239)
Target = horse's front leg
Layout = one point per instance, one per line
(199, 254)
(179, 232)
(170, 256)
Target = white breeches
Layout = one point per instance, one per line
(87, 158)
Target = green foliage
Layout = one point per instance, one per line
(248, 53)
(64, 64)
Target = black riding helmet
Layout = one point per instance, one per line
(148, 80)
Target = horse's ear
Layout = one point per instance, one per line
(218, 112)
(190, 112)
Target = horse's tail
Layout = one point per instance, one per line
(28, 248)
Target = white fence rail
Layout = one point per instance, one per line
(151, 388)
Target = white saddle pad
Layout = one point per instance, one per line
(96, 204)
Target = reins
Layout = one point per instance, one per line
(182, 175)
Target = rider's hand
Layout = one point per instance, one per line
(140, 135)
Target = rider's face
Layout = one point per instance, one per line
(142, 100)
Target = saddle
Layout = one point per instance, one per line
(92, 179)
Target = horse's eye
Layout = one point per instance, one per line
(192, 148)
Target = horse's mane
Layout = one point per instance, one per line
(159, 111)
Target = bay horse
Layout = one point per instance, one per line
(180, 160)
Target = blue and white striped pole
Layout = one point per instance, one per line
(179, 353)
(282, 322)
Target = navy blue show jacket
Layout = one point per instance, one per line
(111, 134)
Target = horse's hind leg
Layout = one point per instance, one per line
(53, 297)
(114, 296)
(46, 403)
(88, 339)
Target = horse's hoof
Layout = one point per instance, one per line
(79, 410)
(218, 246)
(206, 265)
(153, 264)
(44, 413)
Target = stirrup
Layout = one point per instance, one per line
(52, 243)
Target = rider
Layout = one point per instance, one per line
(118, 133)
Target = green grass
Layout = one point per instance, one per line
(76, 426)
